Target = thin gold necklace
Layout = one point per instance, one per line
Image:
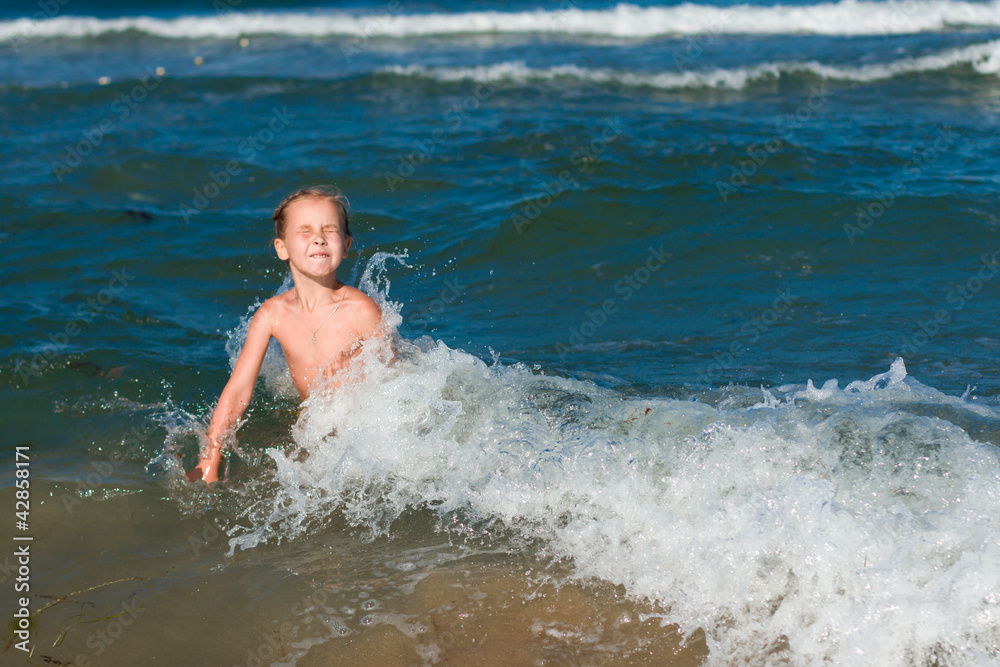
(302, 319)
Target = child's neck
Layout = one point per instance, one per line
(310, 292)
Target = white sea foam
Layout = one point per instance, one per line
(848, 17)
(831, 525)
(983, 58)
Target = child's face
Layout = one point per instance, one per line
(315, 241)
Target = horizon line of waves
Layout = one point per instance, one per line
(623, 21)
(982, 58)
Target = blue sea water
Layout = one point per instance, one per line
(695, 304)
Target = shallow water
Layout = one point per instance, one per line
(628, 248)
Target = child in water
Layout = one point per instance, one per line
(320, 323)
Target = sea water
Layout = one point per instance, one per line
(694, 346)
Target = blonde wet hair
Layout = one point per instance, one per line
(328, 192)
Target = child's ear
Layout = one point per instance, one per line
(279, 247)
(347, 246)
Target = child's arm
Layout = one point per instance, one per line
(236, 396)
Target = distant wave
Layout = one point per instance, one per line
(983, 58)
(848, 17)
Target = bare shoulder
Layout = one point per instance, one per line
(271, 309)
(364, 311)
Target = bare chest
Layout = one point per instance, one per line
(313, 353)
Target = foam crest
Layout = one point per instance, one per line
(623, 21)
(982, 58)
(831, 526)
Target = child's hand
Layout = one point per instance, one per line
(208, 467)
(200, 472)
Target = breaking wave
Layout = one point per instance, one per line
(981, 58)
(623, 21)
